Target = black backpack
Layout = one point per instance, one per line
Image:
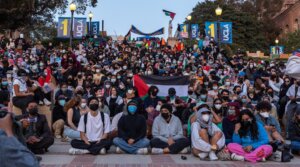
(102, 118)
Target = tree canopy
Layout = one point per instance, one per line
(253, 28)
(28, 14)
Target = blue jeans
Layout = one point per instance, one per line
(295, 145)
(131, 149)
(71, 133)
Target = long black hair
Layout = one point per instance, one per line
(253, 128)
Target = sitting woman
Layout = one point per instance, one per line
(59, 116)
(249, 140)
(114, 102)
(230, 120)
(294, 133)
(74, 112)
(270, 123)
(167, 133)
(207, 138)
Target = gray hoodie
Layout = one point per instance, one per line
(163, 130)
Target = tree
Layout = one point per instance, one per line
(29, 14)
(248, 30)
(291, 42)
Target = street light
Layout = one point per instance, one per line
(72, 9)
(90, 17)
(276, 41)
(189, 17)
(219, 13)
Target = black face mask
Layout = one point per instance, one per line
(94, 107)
(154, 93)
(225, 98)
(190, 92)
(33, 111)
(246, 124)
(165, 115)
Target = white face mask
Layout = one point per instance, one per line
(227, 83)
(215, 88)
(83, 105)
(265, 114)
(157, 108)
(107, 86)
(205, 117)
(218, 106)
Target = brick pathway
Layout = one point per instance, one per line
(58, 157)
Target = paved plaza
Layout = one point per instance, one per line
(58, 157)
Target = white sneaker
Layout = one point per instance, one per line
(41, 102)
(119, 150)
(142, 151)
(202, 155)
(75, 151)
(237, 157)
(46, 102)
(103, 151)
(184, 151)
(157, 151)
(212, 156)
(58, 137)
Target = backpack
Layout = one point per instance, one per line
(282, 154)
(102, 118)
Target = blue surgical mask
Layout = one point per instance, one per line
(244, 100)
(203, 96)
(4, 83)
(132, 109)
(62, 102)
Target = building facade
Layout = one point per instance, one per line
(288, 19)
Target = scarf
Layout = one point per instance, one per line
(205, 125)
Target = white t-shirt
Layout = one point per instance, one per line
(94, 126)
(115, 121)
(22, 85)
(291, 91)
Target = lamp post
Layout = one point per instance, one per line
(72, 9)
(189, 18)
(219, 13)
(90, 17)
(277, 48)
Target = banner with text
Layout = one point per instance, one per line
(64, 27)
(95, 28)
(211, 29)
(184, 31)
(195, 30)
(226, 32)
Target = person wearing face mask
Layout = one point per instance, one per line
(167, 133)
(74, 113)
(107, 88)
(283, 99)
(114, 102)
(206, 137)
(132, 132)
(21, 93)
(249, 140)
(36, 129)
(270, 123)
(4, 93)
(177, 103)
(93, 138)
(215, 90)
(230, 119)
(64, 91)
(294, 133)
(59, 117)
(294, 102)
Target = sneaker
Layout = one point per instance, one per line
(66, 139)
(58, 136)
(203, 155)
(157, 151)
(212, 156)
(74, 151)
(103, 151)
(46, 102)
(184, 151)
(235, 157)
(142, 151)
(119, 150)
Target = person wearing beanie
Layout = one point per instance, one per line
(94, 138)
(294, 133)
(167, 133)
(132, 132)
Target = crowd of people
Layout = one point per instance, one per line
(237, 108)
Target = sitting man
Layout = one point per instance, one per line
(36, 130)
(132, 132)
(207, 138)
(94, 128)
(168, 134)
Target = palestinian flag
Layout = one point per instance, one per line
(180, 83)
(168, 13)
